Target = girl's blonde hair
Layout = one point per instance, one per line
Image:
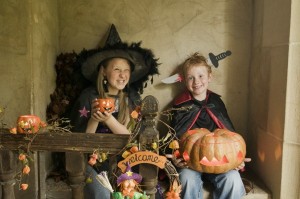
(123, 115)
(193, 60)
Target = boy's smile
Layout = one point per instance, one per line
(197, 79)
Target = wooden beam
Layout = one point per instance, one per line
(64, 142)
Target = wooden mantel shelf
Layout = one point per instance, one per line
(65, 142)
(75, 145)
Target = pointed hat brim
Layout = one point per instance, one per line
(142, 59)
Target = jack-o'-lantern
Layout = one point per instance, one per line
(106, 104)
(212, 152)
(28, 124)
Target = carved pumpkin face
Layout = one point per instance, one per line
(106, 104)
(28, 124)
(213, 152)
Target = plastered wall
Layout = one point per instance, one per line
(257, 82)
(173, 30)
(28, 49)
(274, 98)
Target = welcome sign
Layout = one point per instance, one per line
(140, 157)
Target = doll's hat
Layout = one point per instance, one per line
(144, 64)
(129, 175)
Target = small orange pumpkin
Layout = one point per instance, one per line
(106, 104)
(212, 152)
(28, 124)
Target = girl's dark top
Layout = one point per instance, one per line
(210, 113)
(81, 111)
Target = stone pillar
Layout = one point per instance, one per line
(149, 136)
(8, 162)
(75, 166)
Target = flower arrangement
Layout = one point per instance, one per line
(174, 191)
(97, 157)
(24, 158)
(135, 117)
(163, 145)
(164, 142)
(31, 126)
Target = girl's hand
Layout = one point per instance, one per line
(97, 115)
(101, 117)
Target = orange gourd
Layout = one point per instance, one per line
(212, 152)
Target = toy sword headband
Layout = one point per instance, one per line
(213, 60)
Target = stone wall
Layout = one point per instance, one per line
(258, 81)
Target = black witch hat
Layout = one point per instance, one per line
(143, 60)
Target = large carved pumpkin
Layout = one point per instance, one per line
(213, 152)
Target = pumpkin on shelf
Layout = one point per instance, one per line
(29, 124)
(212, 152)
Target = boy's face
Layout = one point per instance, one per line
(197, 79)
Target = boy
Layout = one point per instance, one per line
(208, 111)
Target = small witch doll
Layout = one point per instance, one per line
(128, 186)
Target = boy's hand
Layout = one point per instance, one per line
(242, 165)
(178, 162)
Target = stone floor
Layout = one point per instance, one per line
(60, 190)
(257, 190)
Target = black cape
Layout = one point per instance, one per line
(210, 113)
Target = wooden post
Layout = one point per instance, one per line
(148, 136)
(75, 166)
(8, 162)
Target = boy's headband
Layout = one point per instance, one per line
(213, 60)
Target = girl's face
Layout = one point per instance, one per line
(117, 74)
(197, 79)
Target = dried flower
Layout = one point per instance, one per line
(93, 159)
(174, 145)
(88, 180)
(26, 169)
(103, 156)
(43, 124)
(135, 117)
(134, 149)
(134, 114)
(154, 145)
(176, 154)
(24, 186)
(22, 156)
(13, 130)
(126, 153)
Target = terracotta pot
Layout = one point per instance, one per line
(28, 124)
(106, 104)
